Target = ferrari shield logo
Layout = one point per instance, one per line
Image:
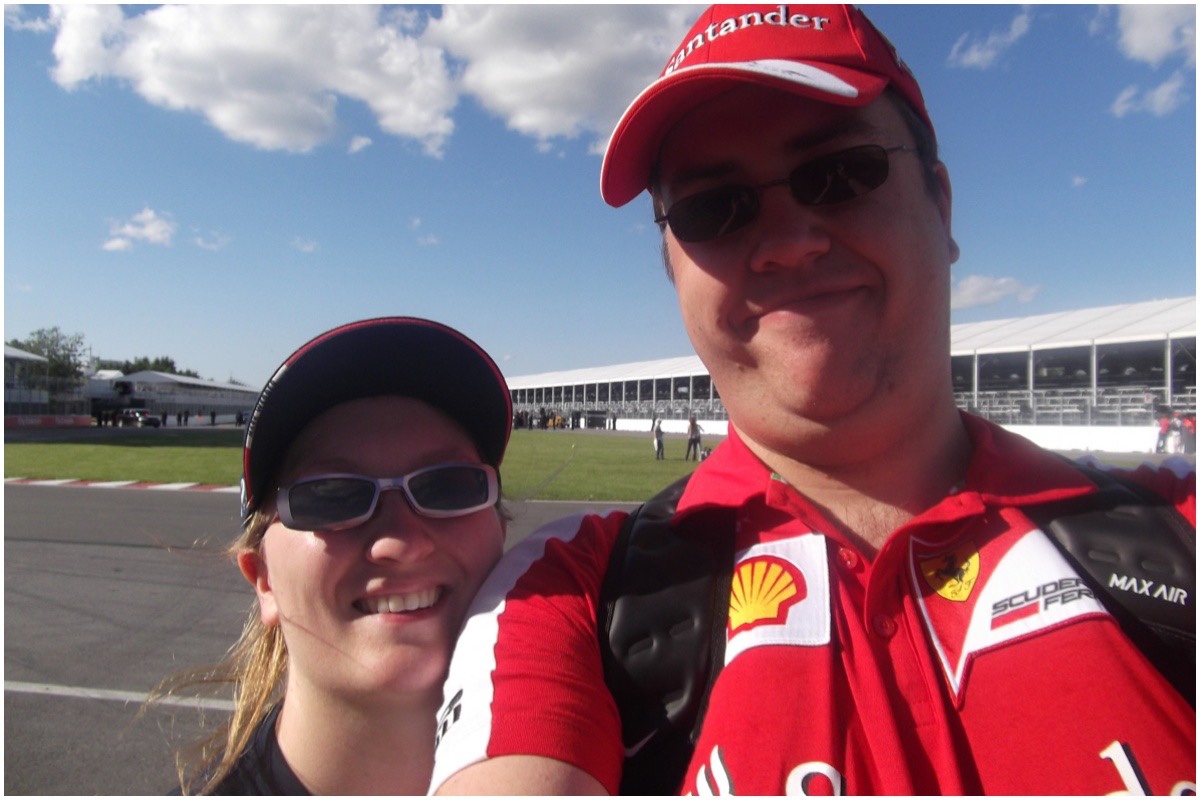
(952, 575)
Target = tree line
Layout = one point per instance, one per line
(67, 356)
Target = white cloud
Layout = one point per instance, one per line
(215, 241)
(559, 70)
(971, 52)
(428, 240)
(271, 76)
(15, 18)
(144, 226)
(359, 143)
(414, 223)
(1155, 33)
(1078, 181)
(304, 245)
(1100, 19)
(1159, 101)
(984, 290)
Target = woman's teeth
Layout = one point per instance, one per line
(398, 603)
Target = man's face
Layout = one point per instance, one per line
(813, 320)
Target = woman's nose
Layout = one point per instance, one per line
(396, 532)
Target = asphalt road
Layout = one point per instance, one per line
(106, 592)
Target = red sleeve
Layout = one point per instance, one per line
(550, 694)
(526, 676)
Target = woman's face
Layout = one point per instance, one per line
(338, 595)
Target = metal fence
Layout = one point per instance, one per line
(38, 394)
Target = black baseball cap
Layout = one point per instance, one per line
(404, 356)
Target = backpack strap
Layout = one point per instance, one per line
(1138, 556)
(665, 601)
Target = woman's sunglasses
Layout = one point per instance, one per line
(825, 181)
(338, 501)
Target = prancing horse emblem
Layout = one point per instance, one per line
(952, 575)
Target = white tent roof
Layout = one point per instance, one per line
(149, 376)
(1154, 320)
(21, 355)
(1134, 322)
(664, 368)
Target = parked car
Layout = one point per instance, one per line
(137, 417)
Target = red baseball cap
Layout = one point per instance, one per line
(828, 53)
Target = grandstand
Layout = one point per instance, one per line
(1109, 366)
(167, 395)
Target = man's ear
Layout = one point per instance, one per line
(945, 204)
(254, 570)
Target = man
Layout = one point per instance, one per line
(897, 624)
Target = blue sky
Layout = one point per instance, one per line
(219, 184)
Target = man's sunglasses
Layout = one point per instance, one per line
(338, 501)
(835, 178)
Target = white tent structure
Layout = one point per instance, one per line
(1092, 366)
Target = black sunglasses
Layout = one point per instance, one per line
(834, 178)
(338, 501)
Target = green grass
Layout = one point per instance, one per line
(208, 457)
(539, 465)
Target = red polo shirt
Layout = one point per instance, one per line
(967, 658)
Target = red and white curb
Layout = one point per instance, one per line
(162, 487)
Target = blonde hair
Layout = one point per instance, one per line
(255, 665)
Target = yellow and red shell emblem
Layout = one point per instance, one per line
(762, 591)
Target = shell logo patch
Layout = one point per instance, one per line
(762, 591)
(953, 575)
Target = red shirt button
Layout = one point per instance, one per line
(849, 557)
(884, 626)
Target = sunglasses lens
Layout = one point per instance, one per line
(713, 213)
(840, 177)
(451, 490)
(329, 503)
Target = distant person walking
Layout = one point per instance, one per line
(1175, 435)
(1164, 428)
(693, 442)
(656, 429)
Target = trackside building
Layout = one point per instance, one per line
(1101, 374)
(171, 397)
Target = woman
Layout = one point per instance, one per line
(370, 514)
(693, 441)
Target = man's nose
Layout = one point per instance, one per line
(787, 234)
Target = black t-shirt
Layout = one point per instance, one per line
(262, 769)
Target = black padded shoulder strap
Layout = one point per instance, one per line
(1138, 556)
(662, 638)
